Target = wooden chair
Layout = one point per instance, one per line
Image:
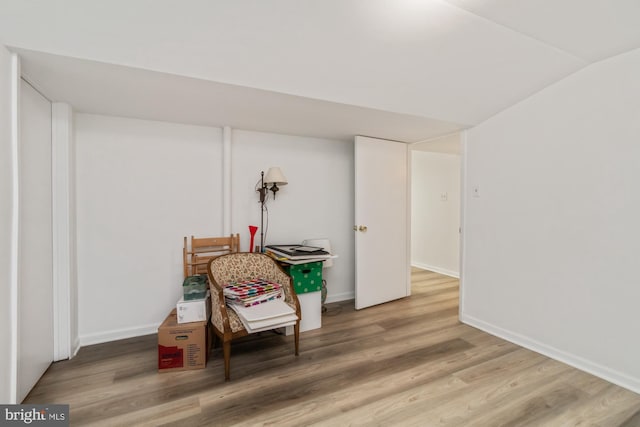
(225, 269)
(203, 249)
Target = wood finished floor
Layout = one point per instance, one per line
(405, 363)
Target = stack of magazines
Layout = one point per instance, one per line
(259, 305)
(251, 292)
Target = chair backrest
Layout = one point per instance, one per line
(202, 249)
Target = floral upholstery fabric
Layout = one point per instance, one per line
(217, 313)
(243, 266)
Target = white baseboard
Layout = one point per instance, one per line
(578, 362)
(117, 334)
(435, 269)
(340, 297)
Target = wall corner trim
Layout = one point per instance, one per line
(15, 227)
(63, 228)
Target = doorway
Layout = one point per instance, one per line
(435, 205)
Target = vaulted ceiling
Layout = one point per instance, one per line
(409, 70)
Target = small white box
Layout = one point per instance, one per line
(197, 310)
(311, 311)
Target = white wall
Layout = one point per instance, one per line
(435, 212)
(6, 208)
(141, 187)
(552, 242)
(317, 202)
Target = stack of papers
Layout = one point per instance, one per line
(270, 315)
(259, 305)
(297, 254)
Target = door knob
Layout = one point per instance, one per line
(362, 228)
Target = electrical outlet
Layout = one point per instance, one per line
(444, 197)
(476, 191)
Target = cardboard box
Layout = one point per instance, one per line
(197, 310)
(182, 346)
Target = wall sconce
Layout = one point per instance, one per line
(273, 178)
(268, 183)
(271, 181)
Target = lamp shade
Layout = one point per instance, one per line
(275, 176)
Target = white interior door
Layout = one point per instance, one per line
(382, 221)
(35, 245)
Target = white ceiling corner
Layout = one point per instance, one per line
(447, 144)
(99, 88)
(592, 30)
